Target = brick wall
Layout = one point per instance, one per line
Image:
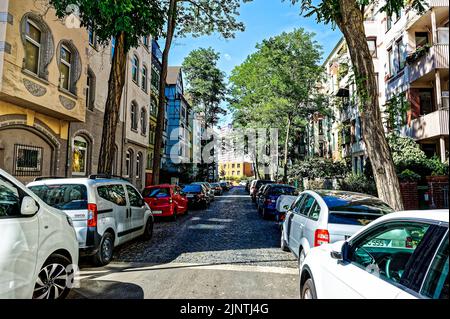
(410, 195)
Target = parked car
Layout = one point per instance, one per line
(247, 186)
(197, 195)
(106, 212)
(283, 205)
(268, 199)
(254, 188)
(259, 195)
(399, 256)
(224, 186)
(243, 183)
(217, 189)
(166, 200)
(209, 189)
(38, 245)
(320, 217)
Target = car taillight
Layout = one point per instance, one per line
(322, 236)
(92, 215)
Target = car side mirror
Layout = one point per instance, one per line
(29, 206)
(339, 250)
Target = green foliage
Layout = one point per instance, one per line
(319, 168)
(406, 154)
(109, 18)
(436, 167)
(409, 176)
(205, 83)
(396, 111)
(359, 184)
(343, 71)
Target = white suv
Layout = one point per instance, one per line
(106, 211)
(399, 256)
(38, 246)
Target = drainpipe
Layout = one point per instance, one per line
(68, 152)
(125, 113)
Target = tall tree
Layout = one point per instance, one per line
(127, 21)
(348, 15)
(195, 18)
(206, 88)
(282, 77)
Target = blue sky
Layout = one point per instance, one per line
(263, 19)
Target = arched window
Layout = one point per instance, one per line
(128, 163)
(143, 121)
(80, 156)
(90, 89)
(135, 69)
(38, 45)
(138, 165)
(134, 116)
(69, 66)
(144, 83)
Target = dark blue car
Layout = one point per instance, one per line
(268, 200)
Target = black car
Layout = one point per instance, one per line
(255, 189)
(224, 186)
(197, 196)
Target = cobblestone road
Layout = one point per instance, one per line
(230, 231)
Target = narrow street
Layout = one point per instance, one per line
(227, 251)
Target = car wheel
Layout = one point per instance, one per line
(264, 214)
(105, 251)
(148, 232)
(52, 279)
(309, 291)
(284, 246)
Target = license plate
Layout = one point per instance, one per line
(157, 212)
(190, 196)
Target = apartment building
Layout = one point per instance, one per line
(410, 55)
(43, 76)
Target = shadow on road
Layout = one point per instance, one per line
(100, 289)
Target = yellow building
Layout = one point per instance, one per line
(236, 170)
(43, 67)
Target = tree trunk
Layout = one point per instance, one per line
(112, 107)
(352, 26)
(286, 151)
(171, 23)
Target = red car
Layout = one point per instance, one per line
(166, 200)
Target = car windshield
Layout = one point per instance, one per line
(156, 193)
(192, 189)
(64, 197)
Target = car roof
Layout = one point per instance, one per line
(83, 181)
(160, 186)
(437, 215)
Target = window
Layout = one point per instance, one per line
(65, 66)
(320, 127)
(145, 41)
(397, 252)
(421, 39)
(33, 37)
(144, 83)
(372, 42)
(28, 160)
(10, 199)
(314, 214)
(436, 284)
(400, 55)
(150, 160)
(79, 156)
(155, 78)
(391, 70)
(113, 193)
(143, 121)
(90, 90)
(361, 161)
(92, 37)
(153, 106)
(426, 101)
(306, 206)
(135, 69)
(138, 165)
(64, 196)
(128, 164)
(388, 22)
(134, 197)
(134, 116)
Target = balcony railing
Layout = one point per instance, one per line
(435, 58)
(438, 3)
(428, 126)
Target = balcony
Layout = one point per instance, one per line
(428, 126)
(435, 58)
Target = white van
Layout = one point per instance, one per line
(106, 211)
(38, 246)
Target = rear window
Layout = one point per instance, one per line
(355, 209)
(192, 189)
(156, 193)
(278, 191)
(64, 197)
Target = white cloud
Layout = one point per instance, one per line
(227, 57)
